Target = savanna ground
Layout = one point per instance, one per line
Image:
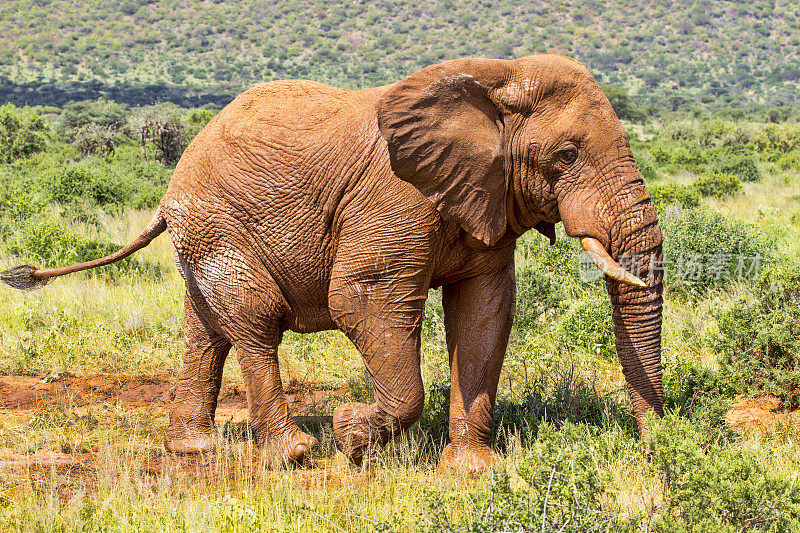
(87, 364)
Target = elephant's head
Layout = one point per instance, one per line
(504, 146)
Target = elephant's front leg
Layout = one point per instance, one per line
(478, 316)
(383, 319)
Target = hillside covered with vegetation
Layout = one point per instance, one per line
(669, 54)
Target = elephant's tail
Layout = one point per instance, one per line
(29, 277)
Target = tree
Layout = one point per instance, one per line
(160, 126)
(621, 102)
(23, 132)
(102, 113)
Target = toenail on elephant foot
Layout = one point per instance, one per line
(470, 458)
(353, 433)
(192, 442)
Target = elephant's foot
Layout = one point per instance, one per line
(292, 446)
(190, 440)
(471, 458)
(360, 430)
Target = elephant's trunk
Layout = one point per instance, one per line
(636, 243)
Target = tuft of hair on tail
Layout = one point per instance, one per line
(21, 277)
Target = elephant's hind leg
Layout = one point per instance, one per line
(252, 314)
(269, 412)
(245, 308)
(191, 426)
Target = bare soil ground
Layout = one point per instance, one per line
(760, 414)
(136, 390)
(24, 397)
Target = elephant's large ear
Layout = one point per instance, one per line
(444, 136)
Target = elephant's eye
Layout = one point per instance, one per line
(568, 155)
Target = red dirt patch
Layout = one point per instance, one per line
(139, 391)
(760, 414)
(20, 395)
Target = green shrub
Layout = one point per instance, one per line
(717, 185)
(561, 258)
(778, 138)
(668, 194)
(647, 170)
(712, 132)
(703, 248)
(537, 294)
(661, 155)
(711, 488)
(23, 132)
(587, 325)
(690, 157)
(81, 182)
(555, 485)
(103, 114)
(789, 161)
(758, 342)
(433, 320)
(557, 397)
(621, 102)
(698, 393)
(744, 168)
(18, 207)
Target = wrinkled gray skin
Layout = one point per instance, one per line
(306, 207)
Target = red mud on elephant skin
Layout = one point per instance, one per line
(305, 207)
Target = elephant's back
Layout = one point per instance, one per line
(275, 125)
(293, 105)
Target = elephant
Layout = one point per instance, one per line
(305, 207)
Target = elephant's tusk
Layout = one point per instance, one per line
(607, 265)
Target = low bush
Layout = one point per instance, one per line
(433, 320)
(537, 294)
(561, 259)
(661, 154)
(646, 169)
(23, 132)
(703, 248)
(715, 488)
(698, 393)
(778, 138)
(557, 397)
(758, 342)
(17, 207)
(690, 156)
(789, 161)
(743, 168)
(101, 113)
(555, 485)
(717, 185)
(668, 194)
(82, 183)
(587, 326)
